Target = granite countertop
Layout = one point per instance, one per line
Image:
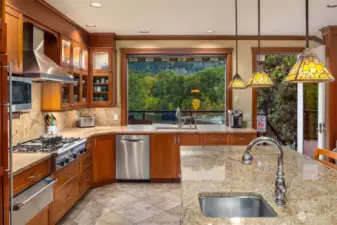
(311, 197)
(146, 129)
(23, 161)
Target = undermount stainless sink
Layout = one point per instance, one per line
(235, 205)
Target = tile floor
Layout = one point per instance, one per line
(127, 204)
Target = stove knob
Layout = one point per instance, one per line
(82, 151)
(66, 160)
(60, 163)
(74, 155)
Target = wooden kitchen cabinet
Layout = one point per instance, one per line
(102, 91)
(14, 20)
(163, 156)
(31, 176)
(66, 52)
(104, 160)
(215, 139)
(55, 96)
(240, 139)
(190, 140)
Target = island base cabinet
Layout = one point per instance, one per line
(104, 171)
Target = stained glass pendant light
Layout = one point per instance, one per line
(237, 82)
(259, 79)
(308, 68)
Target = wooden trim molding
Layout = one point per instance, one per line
(161, 51)
(268, 50)
(216, 37)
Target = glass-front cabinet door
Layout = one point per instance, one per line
(65, 53)
(102, 60)
(84, 88)
(76, 88)
(76, 56)
(65, 95)
(102, 89)
(85, 60)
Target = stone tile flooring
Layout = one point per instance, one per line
(127, 204)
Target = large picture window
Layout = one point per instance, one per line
(158, 85)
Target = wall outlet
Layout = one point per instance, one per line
(115, 116)
(236, 99)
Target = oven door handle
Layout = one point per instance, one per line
(19, 205)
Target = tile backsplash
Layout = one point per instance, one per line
(31, 125)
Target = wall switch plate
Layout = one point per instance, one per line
(236, 99)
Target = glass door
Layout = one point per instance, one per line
(102, 61)
(76, 57)
(76, 87)
(84, 88)
(65, 53)
(85, 60)
(101, 88)
(65, 95)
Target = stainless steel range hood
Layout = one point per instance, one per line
(36, 64)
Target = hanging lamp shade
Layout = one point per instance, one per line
(260, 80)
(237, 83)
(309, 69)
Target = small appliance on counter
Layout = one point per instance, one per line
(86, 121)
(235, 118)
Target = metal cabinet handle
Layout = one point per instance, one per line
(130, 140)
(68, 197)
(175, 142)
(18, 206)
(215, 139)
(33, 176)
(178, 140)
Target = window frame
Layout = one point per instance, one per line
(125, 52)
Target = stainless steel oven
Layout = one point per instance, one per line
(21, 93)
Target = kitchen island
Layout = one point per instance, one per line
(311, 196)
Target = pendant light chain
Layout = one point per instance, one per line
(306, 23)
(236, 35)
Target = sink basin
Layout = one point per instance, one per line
(235, 205)
(177, 128)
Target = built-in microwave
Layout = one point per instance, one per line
(21, 93)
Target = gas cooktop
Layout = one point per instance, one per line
(45, 144)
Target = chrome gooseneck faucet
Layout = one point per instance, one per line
(280, 187)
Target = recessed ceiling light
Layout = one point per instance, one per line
(144, 32)
(331, 5)
(96, 4)
(90, 25)
(210, 31)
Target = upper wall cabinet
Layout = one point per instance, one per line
(65, 52)
(85, 60)
(76, 56)
(14, 21)
(102, 60)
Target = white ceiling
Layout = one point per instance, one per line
(194, 17)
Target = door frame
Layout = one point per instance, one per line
(268, 50)
(172, 51)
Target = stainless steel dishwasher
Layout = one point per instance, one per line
(132, 157)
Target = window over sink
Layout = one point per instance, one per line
(158, 85)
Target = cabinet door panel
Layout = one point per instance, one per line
(190, 139)
(14, 21)
(104, 159)
(163, 156)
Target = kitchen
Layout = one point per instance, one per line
(81, 155)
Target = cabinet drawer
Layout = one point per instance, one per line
(31, 176)
(86, 180)
(215, 139)
(190, 139)
(240, 139)
(65, 174)
(65, 198)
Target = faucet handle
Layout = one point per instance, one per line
(247, 158)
